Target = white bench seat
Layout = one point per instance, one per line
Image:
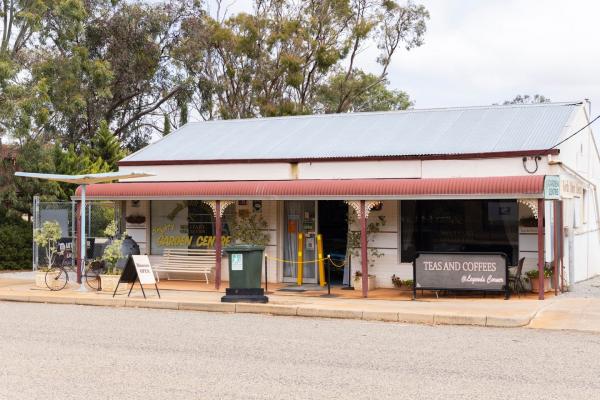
(192, 261)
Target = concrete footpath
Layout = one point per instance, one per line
(472, 311)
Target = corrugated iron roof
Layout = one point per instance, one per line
(503, 186)
(471, 130)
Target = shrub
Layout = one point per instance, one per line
(15, 245)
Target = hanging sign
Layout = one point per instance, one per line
(461, 271)
(552, 187)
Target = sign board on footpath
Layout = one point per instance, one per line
(138, 268)
(461, 271)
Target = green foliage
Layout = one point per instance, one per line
(15, 242)
(534, 273)
(290, 57)
(354, 237)
(249, 230)
(359, 92)
(112, 254)
(47, 237)
(111, 229)
(106, 147)
(527, 99)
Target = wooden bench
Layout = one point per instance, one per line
(192, 261)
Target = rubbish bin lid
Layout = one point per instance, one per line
(236, 248)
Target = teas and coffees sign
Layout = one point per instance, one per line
(461, 271)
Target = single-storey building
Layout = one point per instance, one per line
(504, 178)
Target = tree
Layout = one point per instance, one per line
(106, 147)
(276, 60)
(361, 92)
(527, 99)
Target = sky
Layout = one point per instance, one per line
(480, 52)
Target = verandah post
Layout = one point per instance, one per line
(555, 245)
(363, 249)
(218, 234)
(540, 234)
(78, 240)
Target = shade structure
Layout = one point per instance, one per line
(84, 181)
(344, 189)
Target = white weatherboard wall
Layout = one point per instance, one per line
(512, 166)
(387, 243)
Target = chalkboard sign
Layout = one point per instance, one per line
(461, 271)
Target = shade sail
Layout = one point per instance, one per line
(84, 179)
(327, 189)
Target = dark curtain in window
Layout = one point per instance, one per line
(459, 226)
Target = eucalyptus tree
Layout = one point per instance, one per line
(281, 58)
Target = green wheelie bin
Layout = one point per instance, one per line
(245, 272)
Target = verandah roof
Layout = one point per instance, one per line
(531, 186)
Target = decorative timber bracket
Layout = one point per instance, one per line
(369, 205)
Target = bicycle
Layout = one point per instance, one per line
(57, 277)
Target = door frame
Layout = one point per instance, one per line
(293, 279)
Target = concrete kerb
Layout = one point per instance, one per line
(429, 318)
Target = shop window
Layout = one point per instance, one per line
(459, 226)
(185, 224)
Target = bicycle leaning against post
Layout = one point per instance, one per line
(57, 276)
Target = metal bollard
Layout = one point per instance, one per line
(266, 278)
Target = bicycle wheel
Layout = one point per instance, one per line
(56, 278)
(92, 278)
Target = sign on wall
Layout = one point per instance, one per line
(552, 187)
(461, 271)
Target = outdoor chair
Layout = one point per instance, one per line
(515, 281)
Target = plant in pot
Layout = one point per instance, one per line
(402, 284)
(358, 281)
(47, 237)
(533, 278)
(111, 274)
(354, 247)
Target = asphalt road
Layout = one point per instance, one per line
(78, 352)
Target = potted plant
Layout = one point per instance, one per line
(533, 278)
(358, 281)
(354, 246)
(396, 281)
(46, 237)
(112, 253)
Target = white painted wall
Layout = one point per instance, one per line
(512, 166)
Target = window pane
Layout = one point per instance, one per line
(459, 226)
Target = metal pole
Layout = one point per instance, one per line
(83, 244)
(266, 279)
(328, 275)
(540, 232)
(555, 246)
(349, 287)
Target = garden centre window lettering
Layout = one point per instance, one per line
(185, 224)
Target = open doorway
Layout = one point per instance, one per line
(333, 226)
